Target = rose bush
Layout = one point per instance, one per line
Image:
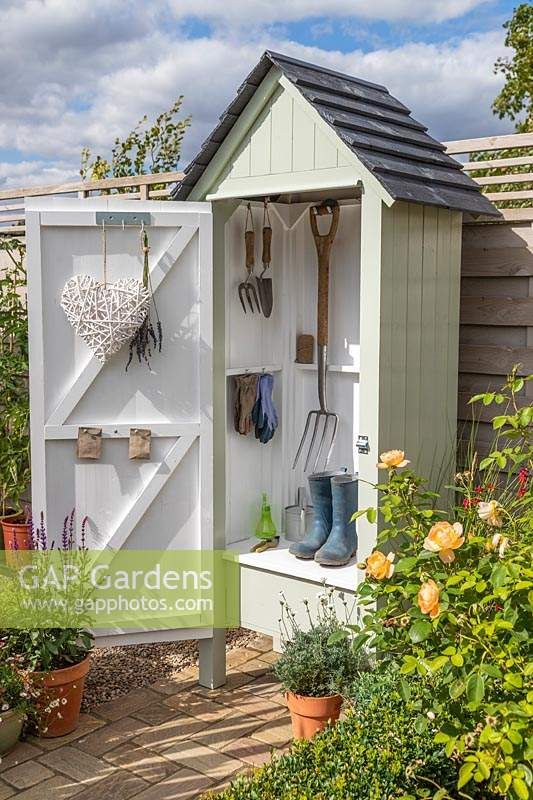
(457, 604)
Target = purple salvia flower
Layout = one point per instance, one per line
(33, 534)
(83, 531)
(71, 529)
(64, 535)
(43, 533)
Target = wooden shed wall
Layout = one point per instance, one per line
(496, 329)
(419, 334)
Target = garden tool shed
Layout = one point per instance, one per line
(295, 135)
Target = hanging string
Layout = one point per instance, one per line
(249, 226)
(147, 279)
(145, 250)
(104, 252)
(266, 215)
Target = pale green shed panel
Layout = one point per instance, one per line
(287, 139)
(410, 283)
(419, 332)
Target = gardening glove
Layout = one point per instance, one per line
(245, 396)
(264, 414)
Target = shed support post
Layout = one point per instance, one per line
(371, 362)
(213, 650)
(213, 660)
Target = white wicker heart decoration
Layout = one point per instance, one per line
(105, 316)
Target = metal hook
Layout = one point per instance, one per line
(123, 224)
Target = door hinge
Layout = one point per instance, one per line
(363, 445)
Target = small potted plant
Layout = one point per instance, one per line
(16, 692)
(17, 528)
(59, 660)
(57, 655)
(316, 665)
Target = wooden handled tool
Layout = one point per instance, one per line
(264, 285)
(323, 243)
(247, 293)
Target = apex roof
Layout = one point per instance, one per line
(379, 129)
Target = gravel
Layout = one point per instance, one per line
(115, 671)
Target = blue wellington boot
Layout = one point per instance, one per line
(342, 541)
(320, 490)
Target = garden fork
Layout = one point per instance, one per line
(330, 420)
(247, 291)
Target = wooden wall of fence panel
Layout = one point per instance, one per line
(496, 314)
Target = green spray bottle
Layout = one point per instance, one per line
(265, 529)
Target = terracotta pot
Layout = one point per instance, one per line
(17, 532)
(66, 686)
(312, 714)
(10, 730)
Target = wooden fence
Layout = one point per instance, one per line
(506, 171)
(140, 187)
(497, 278)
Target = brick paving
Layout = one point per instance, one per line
(173, 740)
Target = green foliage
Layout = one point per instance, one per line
(314, 662)
(515, 102)
(46, 649)
(16, 687)
(458, 605)
(516, 97)
(14, 398)
(148, 148)
(385, 749)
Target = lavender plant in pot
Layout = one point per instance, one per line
(316, 665)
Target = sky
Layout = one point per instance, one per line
(77, 73)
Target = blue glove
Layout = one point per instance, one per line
(264, 414)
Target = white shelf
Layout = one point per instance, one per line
(349, 368)
(282, 562)
(262, 368)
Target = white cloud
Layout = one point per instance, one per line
(246, 12)
(31, 173)
(449, 87)
(93, 72)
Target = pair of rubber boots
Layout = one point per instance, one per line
(332, 540)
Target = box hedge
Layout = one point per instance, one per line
(384, 749)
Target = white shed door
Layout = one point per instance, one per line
(165, 502)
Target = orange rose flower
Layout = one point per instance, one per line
(380, 566)
(443, 539)
(428, 598)
(393, 459)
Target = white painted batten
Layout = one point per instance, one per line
(159, 430)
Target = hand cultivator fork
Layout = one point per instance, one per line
(247, 290)
(329, 419)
